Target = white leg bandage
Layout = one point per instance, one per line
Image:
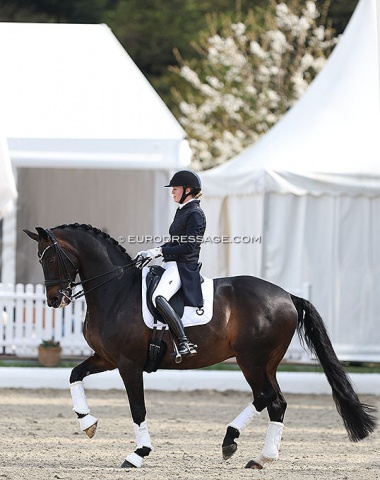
(142, 440)
(79, 398)
(272, 444)
(80, 405)
(142, 435)
(244, 418)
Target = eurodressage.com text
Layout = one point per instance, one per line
(188, 239)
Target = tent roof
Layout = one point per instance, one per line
(74, 89)
(330, 140)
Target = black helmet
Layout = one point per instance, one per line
(185, 178)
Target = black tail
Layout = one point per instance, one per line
(357, 417)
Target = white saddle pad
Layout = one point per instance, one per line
(190, 317)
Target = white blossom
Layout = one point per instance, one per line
(251, 80)
(238, 29)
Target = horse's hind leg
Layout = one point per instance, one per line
(263, 394)
(93, 364)
(276, 411)
(266, 394)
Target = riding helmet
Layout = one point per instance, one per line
(185, 178)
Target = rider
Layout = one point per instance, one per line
(181, 255)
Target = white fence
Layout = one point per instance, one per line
(26, 320)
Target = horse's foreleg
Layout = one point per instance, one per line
(87, 422)
(132, 377)
(93, 364)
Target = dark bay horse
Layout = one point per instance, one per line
(253, 320)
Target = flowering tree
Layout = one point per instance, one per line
(247, 77)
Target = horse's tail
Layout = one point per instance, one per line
(357, 417)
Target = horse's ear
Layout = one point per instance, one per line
(32, 235)
(42, 233)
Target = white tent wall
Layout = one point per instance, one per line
(8, 196)
(330, 242)
(124, 203)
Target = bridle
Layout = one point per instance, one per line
(64, 275)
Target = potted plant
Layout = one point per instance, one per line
(49, 353)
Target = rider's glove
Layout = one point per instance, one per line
(145, 256)
(154, 252)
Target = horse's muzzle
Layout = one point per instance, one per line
(59, 300)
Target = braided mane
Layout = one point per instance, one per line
(97, 231)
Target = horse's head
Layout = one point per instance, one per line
(58, 266)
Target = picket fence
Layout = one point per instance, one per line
(26, 320)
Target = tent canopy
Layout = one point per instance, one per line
(329, 142)
(71, 96)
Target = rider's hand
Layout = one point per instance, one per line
(142, 254)
(154, 252)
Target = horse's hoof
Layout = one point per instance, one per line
(254, 465)
(90, 431)
(127, 464)
(229, 450)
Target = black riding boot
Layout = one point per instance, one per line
(185, 347)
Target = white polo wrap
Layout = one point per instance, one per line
(79, 398)
(244, 418)
(142, 435)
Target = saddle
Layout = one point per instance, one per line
(157, 347)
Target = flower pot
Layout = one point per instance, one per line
(49, 356)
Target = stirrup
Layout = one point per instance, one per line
(175, 354)
(186, 348)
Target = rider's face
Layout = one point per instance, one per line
(177, 193)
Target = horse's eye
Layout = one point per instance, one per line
(50, 260)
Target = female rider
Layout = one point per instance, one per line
(181, 256)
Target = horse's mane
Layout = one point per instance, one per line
(97, 231)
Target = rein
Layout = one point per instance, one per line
(64, 274)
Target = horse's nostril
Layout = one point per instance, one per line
(54, 301)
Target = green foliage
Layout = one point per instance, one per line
(60, 11)
(49, 343)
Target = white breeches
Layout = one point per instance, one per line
(170, 282)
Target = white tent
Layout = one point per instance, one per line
(310, 192)
(91, 140)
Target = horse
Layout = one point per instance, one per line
(253, 320)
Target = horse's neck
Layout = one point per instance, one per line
(99, 270)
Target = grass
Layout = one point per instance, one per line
(283, 367)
